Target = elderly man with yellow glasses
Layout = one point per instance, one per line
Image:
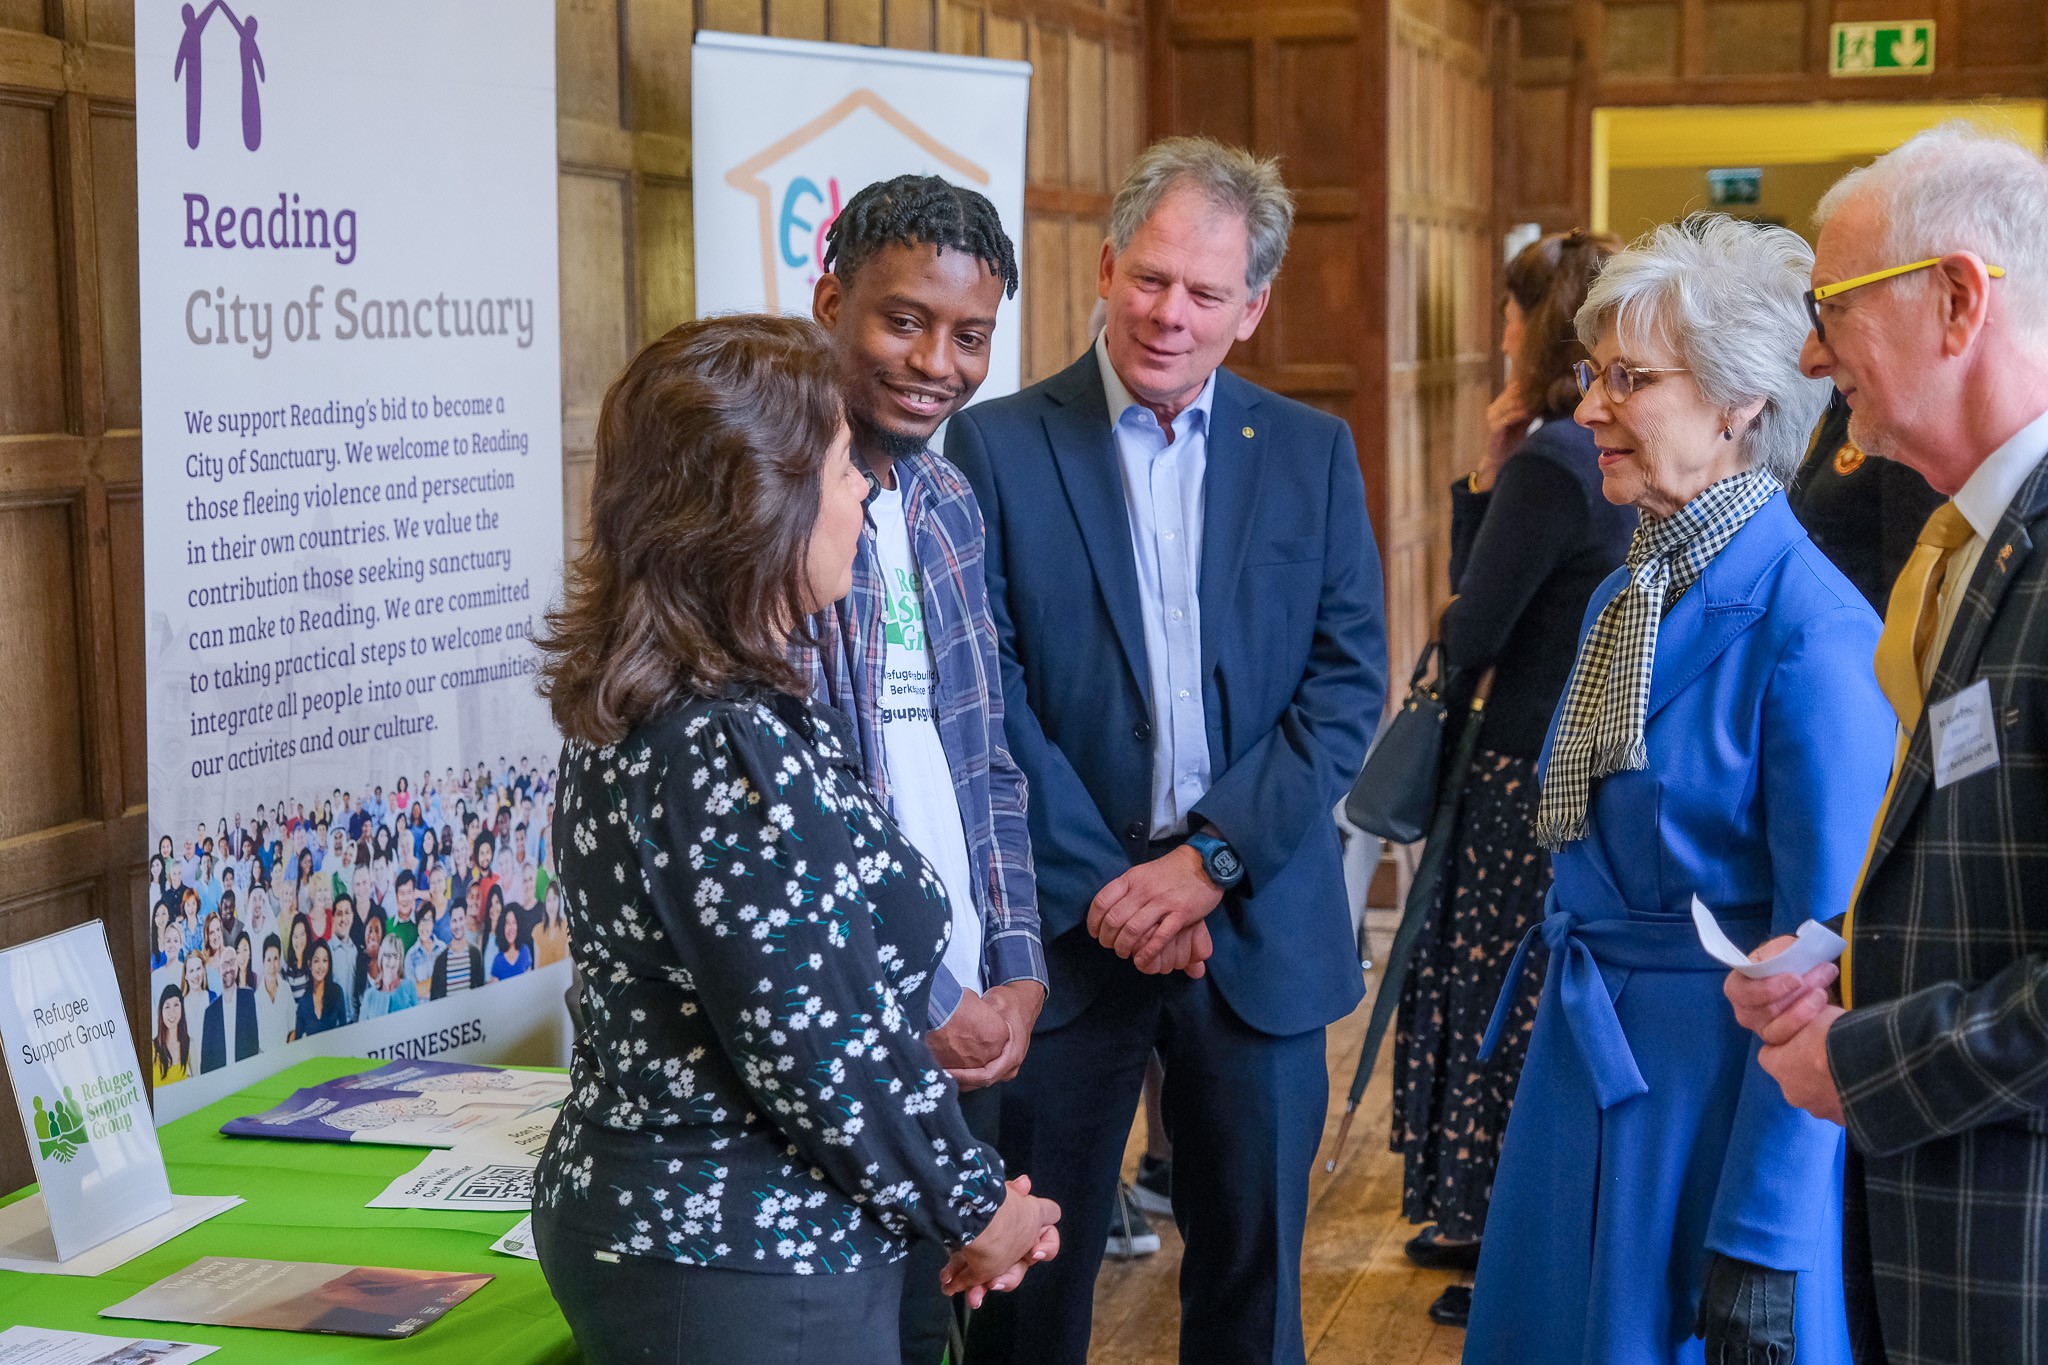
(1936, 1057)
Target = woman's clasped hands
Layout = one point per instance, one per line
(1024, 1232)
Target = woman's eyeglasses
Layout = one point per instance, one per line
(1622, 380)
(1815, 297)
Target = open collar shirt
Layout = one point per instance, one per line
(1163, 471)
(946, 538)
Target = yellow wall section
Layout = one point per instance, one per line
(1778, 135)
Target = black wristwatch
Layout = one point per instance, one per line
(1219, 859)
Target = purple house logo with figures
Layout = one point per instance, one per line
(191, 49)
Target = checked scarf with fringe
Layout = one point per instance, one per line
(1607, 702)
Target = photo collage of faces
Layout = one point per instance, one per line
(317, 912)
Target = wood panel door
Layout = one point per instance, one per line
(1305, 83)
(74, 774)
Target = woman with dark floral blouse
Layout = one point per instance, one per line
(756, 1130)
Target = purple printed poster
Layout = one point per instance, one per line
(352, 497)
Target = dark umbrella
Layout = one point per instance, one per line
(1421, 899)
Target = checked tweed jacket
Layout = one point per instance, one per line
(1943, 1061)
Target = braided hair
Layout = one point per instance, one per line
(920, 210)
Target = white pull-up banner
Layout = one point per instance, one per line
(352, 501)
(786, 132)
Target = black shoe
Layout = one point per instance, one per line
(1428, 1250)
(1153, 1189)
(1452, 1307)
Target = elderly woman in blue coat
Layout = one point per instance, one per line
(1723, 737)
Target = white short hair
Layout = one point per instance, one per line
(1959, 187)
(1725, 296)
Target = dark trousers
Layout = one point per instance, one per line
(928, 1313)
(631, 1308)
(1244, 1111)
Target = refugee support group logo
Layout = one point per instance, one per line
(191, 55)
(60, 1128)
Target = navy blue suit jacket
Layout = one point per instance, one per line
(1294, 675)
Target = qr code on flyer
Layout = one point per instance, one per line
(495, 1184)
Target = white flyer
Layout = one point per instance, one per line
(47, 1346)
(1814, 944)
(26, 1245)
(519, 1241)
(463, 1179)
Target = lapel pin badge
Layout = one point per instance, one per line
(1249, 433)
(2004, 554)
(1849, 458)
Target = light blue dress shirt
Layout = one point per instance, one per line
(1162, 476)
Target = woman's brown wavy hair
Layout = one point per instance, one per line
(710, 454)
(1548, 279)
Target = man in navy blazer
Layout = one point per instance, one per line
(1191, 623)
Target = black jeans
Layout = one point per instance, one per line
(632, 1308)
(928, 1313)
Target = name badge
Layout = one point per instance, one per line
(1965, 736)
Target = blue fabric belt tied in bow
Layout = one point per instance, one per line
(1574, 986)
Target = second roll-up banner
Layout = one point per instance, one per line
(784, 133)
(353, 495)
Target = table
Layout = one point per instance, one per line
(304, 1202)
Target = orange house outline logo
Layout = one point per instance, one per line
(747, 177)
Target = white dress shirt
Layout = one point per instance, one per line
(1982, 500)
(1163, 475)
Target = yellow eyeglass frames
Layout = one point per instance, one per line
(1815, 296)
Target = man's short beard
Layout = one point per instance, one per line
(871, 435)
(1870, 438)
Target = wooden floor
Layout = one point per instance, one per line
(1363, 1303)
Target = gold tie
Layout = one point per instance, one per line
(1911, 618)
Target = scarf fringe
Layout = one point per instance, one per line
(1555, 833)
(1631, 754)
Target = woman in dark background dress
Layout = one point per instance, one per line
(1531, 537)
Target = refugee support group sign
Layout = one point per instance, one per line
(786, 132)
(353, 501)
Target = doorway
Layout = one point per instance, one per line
(1768, 163)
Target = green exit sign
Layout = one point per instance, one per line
(1901, 49)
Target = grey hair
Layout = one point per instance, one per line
(1726, 296)
(1231, 178)
(1959, 187)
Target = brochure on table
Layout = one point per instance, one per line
(47, 1346)
(79, 1089)
(302, 1296)
(407, 1104)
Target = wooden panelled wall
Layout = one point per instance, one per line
(1568, 56)
(74, 775)
(624, 75)
(1442, 265)
(1382, 115)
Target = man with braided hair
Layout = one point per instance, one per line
(916, 269)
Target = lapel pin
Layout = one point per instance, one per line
(1249, 433)
(1849, 458)
(2004, 554)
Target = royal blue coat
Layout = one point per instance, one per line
(1645, 1137)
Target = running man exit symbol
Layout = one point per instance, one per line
(1905, 48)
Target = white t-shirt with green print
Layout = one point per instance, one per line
(921, 793)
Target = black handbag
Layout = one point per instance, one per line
(1396, 792)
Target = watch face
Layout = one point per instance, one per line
(1226, 863)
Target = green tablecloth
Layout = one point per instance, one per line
(304, 1202)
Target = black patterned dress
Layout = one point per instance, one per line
(1525, 559)
(1450, 1108)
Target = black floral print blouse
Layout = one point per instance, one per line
(756, 940)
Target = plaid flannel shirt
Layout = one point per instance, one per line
(846, 671)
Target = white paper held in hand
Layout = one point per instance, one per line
(1814, 944)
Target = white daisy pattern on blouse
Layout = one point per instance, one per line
(756, 941)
